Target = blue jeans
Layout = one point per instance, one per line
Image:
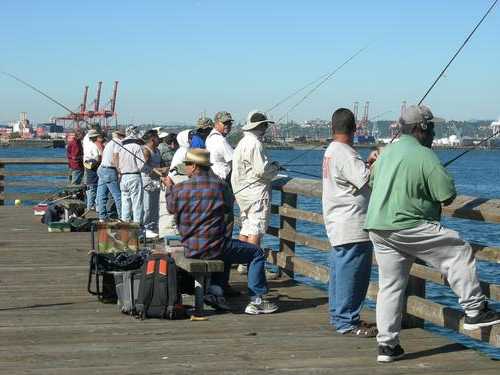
(132, 195)
(91, 180)
(350, 268)
(239, 252)
(151, 214)
(76, 176)
(108, 183)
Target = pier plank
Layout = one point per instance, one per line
(50, 325)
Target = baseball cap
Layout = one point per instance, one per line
(417, 114)
(205, 123)
(223, 116)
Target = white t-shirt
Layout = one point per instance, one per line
(107, 154)
(345, 194)
(221, 153)
(91, 151)
(130, 157)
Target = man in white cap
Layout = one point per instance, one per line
(409, 184)
(251, 178)
(221, 152)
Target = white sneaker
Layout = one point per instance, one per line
(242, 269)
(260, 306)
(150, 234)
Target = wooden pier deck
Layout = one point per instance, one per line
(50, 325)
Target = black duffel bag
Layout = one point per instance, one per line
(100, 266)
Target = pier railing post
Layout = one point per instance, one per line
(415, 287)
(2, 182)
(288, 224)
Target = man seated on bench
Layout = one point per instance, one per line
(200, 206)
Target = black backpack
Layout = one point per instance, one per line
(158, 295)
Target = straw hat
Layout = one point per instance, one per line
(93, 133)
(198, 156)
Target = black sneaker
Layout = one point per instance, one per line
(388, 354)
(485, 318)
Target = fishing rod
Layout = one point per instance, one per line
(453, 58)
(73, 113)
(466, 151)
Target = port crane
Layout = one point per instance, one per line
(94, 114)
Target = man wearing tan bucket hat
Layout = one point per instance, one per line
(201, 206)
(251, 178)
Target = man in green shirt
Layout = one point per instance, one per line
(409, 184)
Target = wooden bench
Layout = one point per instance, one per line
(201, 271)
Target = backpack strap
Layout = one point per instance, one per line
(172, 288)
(146, 288)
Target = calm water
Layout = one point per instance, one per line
(476, 174)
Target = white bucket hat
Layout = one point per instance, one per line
(254, 119)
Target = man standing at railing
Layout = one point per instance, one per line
(108, 177)
(409, 185)
(74, 153)
(345, 201)
(251, 176)
(130, 164)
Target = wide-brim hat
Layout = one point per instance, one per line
(254, 119)
(198, 156)
(93, 133)
(119, 132)
(162, 134)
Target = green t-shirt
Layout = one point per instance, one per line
(408, 185)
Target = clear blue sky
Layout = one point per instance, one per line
(175, 59)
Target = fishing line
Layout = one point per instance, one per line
(296, 92)
(320, 145)
(304, 173)
(453, 58)
(322, 81)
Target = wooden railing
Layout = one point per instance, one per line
(37, 171)
(418, 308)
